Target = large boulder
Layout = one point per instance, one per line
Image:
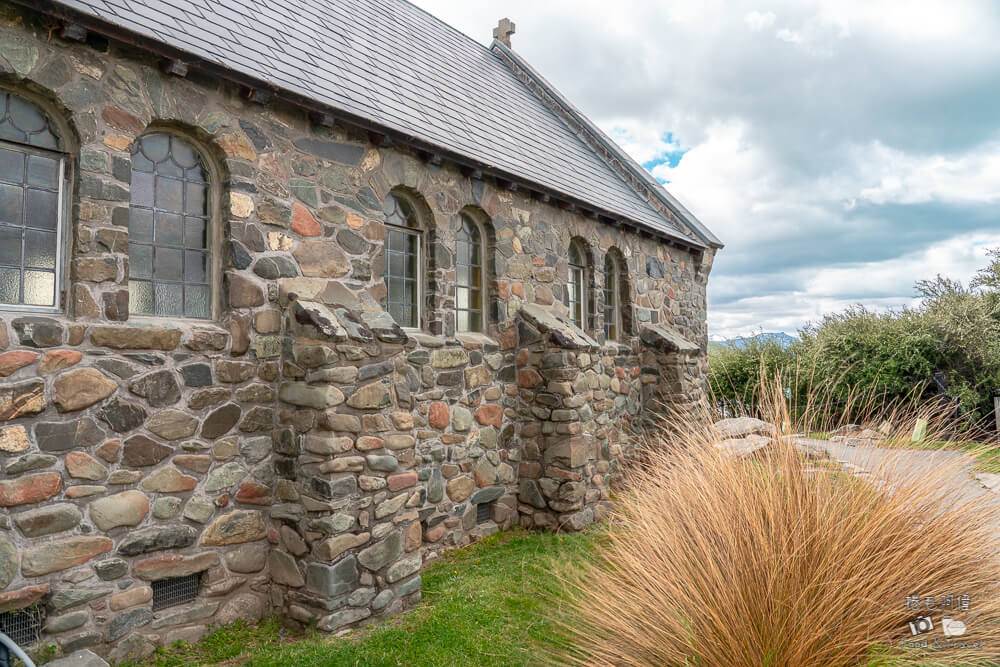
(741, 427)
(746, 447)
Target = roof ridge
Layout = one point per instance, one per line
(522, 68)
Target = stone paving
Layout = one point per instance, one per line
(965, 484)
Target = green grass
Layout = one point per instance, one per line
(482, 605)
(987, 456)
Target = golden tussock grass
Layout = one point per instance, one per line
(780, 560)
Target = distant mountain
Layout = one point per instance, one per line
(740, 342)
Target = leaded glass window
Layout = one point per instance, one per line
(169, 230)
(404, 262)
(23, 123)
(576, 287)
(612, 311)
(31, 205)
(470, 288)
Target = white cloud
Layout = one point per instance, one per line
(891, 176)
(789, 36)
(757, 21)
(835, 288)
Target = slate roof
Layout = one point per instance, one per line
(391, 63)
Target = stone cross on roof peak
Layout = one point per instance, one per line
(505, 28)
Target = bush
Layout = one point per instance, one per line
(734, 372)
(711, 560)
(891, 356)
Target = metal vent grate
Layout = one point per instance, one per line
(175, 591)
(24, 626)
(483, 512)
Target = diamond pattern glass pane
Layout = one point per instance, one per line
(169, 230)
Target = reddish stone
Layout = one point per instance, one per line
(84, 466)
(402, 481)
(490, 415)
(508, 339)
(79, 389)
(437, 416)
(62, 554)
(517, 289)
(529, 469)
(368, 442)
(195, 462)
(619, 372)
(565, 475)
(303, 223)
(452, 438)
(414, 535)
(435, 533)
(253, 493)
(30, 489)
(122, 120)
(14, 360)
(22, 598)
(109, 450)
(56, 360)
(166, 567)
(528, 377)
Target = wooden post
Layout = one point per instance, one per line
(996, 412)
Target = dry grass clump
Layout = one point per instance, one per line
(780, 561)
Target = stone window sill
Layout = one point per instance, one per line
(475, 340)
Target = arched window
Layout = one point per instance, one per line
(577, 286)
(170, 264)
(404, 261)
(32, 187)
(470, 277)
(612, 308)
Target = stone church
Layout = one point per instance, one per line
(295, 294)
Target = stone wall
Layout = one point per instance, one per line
(299, 450)
(576, 402)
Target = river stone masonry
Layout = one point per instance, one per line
(300, 451)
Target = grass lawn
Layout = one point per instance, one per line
(481, 606)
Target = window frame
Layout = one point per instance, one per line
(483, 278)
(215, 218)
(417, 232)
(612, 299)
(62, 204)
(581, 271)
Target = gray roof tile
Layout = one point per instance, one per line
(392, 63)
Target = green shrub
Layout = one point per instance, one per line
(887, 356)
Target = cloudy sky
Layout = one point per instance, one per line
(842, 149)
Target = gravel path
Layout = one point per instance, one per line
(964, 483)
